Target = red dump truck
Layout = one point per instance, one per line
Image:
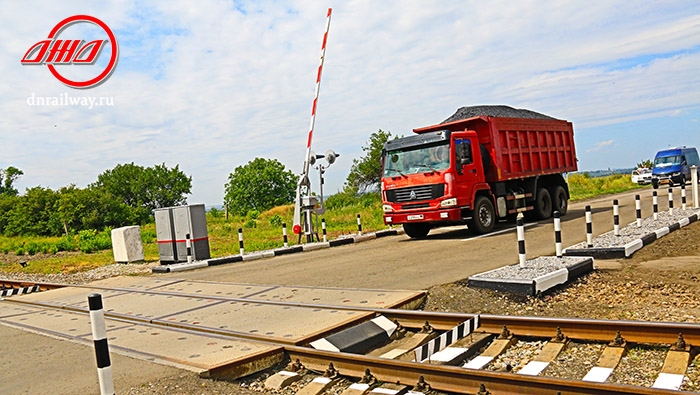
(477, 169)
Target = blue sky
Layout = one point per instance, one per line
(211, 85)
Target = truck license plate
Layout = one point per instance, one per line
(415, 217)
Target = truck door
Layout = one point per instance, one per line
(467, 168)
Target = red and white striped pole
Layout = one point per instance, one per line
(304, 180)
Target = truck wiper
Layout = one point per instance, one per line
(398, 171)
(428, 166)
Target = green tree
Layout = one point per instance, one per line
(92, 208)
(33, 214)
(7, 178)
(366, 172)
(259, 185)
(146, 188)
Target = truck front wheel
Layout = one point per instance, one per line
(484, 217)
(416, 231)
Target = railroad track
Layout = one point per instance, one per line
(487, 360)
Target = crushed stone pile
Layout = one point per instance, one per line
(494, 111)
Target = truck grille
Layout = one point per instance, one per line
(415, 194)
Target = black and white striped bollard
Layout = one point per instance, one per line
(284, 234)
(670, 201)
(359, 225)
(655, 204)
(240, 240)
(323, 228)
(589, 227)
(638, 207)
(188, 244)
(683, 203)
(557, 235)
(616, 217)
(521, 242)
(99, 338)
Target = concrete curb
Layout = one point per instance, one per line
(535, 286)
(351, 239)
(627, 250)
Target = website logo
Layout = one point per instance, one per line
(71, 52)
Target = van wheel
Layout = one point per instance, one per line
(484, 217)
(559, 199)
(416, 231)
(543, 204)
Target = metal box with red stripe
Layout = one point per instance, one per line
(173, 225)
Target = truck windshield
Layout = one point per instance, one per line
(664, 161)
(421, 159)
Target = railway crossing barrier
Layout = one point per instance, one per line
(557, 235)
(284, 235)
(521, 242)
(99, 337)
(616, 217)
(589, 227)
(683, 202)
(694, 181)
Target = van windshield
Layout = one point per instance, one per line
(664, 161)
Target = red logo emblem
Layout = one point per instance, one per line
(53, 51)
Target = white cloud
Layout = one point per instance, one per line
(213, 85)
(600, 145)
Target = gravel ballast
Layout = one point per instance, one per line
(536, 276)
(608, 245)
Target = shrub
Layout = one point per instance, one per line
(91, 241)
(148, 236)
(276, 221)
(215, 212)
(250, 224)
(33, 248)
(66, 243)
(253, 214)
(340, 200)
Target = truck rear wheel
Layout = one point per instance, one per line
(416, 231)
(560, 200)
(543, 204)
(484, 217)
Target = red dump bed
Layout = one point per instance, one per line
(520, 147)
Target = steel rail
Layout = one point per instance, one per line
(456, 379)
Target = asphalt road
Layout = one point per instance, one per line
(446, 255)
(38, 364)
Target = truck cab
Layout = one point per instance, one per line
(672, 166)
(428, 180)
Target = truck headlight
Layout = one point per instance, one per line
(387, 208)
(448, 202)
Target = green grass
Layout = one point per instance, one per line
(261, 231)
(582, 186)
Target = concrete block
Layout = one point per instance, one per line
(127, 245)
